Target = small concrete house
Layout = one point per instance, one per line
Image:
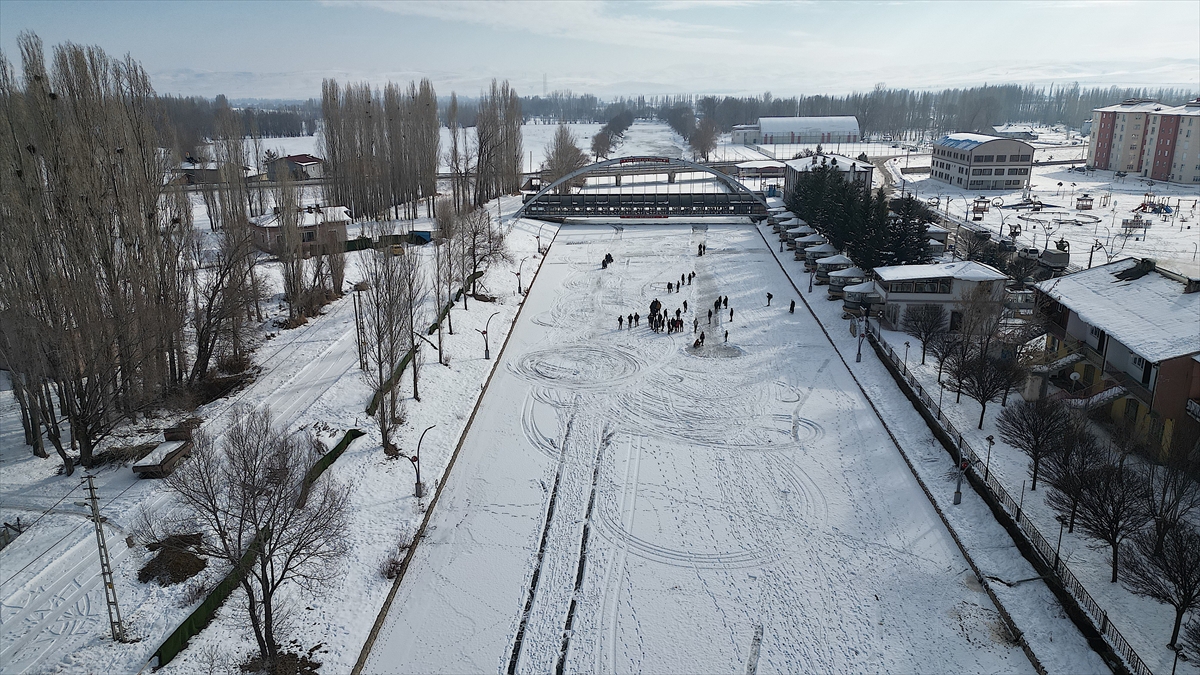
(301, 167)
(319, 226)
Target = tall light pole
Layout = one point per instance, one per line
(962, 468)
(419, 491)
(862, 334)
(1062, 522)
(518, 273)
(906, 346)
(487, 354)
(988, 462)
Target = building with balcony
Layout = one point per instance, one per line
(1141, 135)
(1131, 330)
(951, 285)
(979, 162)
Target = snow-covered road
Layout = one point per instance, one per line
(624, 502)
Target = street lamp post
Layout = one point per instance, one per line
(1062, 523)
(941, 393)
(988, 462)
(906, 345)
(962, 468)
(810, 279)
(518, 273)
(419, 491)
(487, 353)
(862, 334)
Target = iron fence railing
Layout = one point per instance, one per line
(1070, 582)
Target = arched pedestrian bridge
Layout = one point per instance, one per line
(644, 187)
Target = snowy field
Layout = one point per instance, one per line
(736, 507)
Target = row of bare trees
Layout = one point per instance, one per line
(97, 266)
(381, 147)
(1143, 511)
(395, 301)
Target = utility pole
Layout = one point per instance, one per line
(110, 592)
(359, 331)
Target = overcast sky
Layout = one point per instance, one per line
(283, 49)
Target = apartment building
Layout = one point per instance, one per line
(1172, 150)
(979, 162)
(1143, 136)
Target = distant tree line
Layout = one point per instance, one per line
(611, 135)
(904, 111)
(194, 119)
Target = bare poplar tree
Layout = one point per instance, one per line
(383, 321)
(1068, 467)
(412, 306)
(250, 490)
(1172, 494)
(704, 138)
(1035, 428)
(564, 157)
(924, 322)
(1111, 505)
(1166, 570)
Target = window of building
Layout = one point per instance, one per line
(1094, 331)
(310, 235)
(1138, 362)
(1024, 158)
(1023, 172)
(1013, 172)
(901, 287)
(1001, 158)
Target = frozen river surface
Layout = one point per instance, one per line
(626, 503)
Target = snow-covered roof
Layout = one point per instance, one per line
(811, 239)
(967, 270)
(837, 161)
(838, 259)
(308, 216)
(822, 248)
(1014, 129)
(840, 124)
(865, 287)
(761, 164)
(965, 141)
(1135, 105)
(1191, 108)
(800, 229)
(159, 453)
(936, 229)
(1150, 314)
(303, 159)
(850, 272)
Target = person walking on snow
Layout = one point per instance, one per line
(620, 322)
(769, 296)
(727, 336)
(725, 301)
(637, 318)
(700, 249)
(670, 286)
(629, 321)
(710, 317)
(702, 337)
(792, 308)
(731, 315)
(695, 326)
(681, 278)
(685, 305)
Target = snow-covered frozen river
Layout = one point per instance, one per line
(624, 502)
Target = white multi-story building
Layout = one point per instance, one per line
(788, 130)
(979, 162)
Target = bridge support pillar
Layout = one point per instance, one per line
(618, 177)
(671, 177)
